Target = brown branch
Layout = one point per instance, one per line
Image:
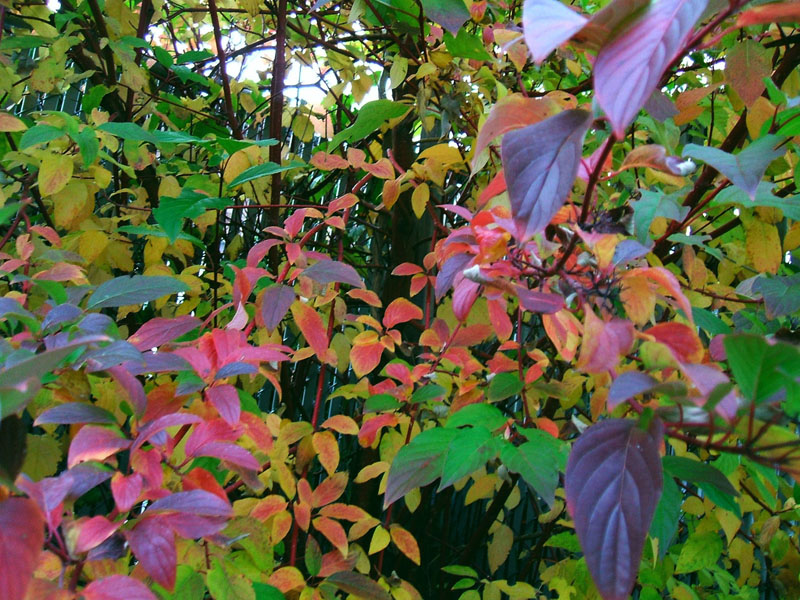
(226, 85)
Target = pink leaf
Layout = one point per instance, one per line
(93, 532)
(541, 302)
(193, 527)
(613, 483)
(21, 541)
(548, 24)
(226, 401)
(117, 587)
(628, 69)
(158, 331)
(603, 343)
(161, 423)
(126, 490)
(95, 443)
(540, 164)
(275, 303)
(152, 542)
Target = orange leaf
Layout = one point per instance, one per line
(327, 162)
(312, 328)
(680, 339)
(287, 579)
(334, 532)
(366, 296)
(775, 12)
(670, 284)
(406, 269)
(281, 525)
(638, 299)
(267, 507)
(329, 490)
(348, 512)
(364, 358)
(334, 562)
(406, 543)
(564, 330)
(382, 169)
(341, 424)
(327, 448)
(302, 515)
(400, 311)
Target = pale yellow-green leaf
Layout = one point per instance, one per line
(303, 128)
(54, 173)
(91, 244)
(380, 539)
(398, 71)
(419, 199)
(42, 456)
(72, 205)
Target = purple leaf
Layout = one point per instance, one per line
(229, 452)
(21, 540)
(95, 443)
(628, 69)
(613, 483)
(275, 303)
(628, 385)
(158, 362)
(745, 169)
(448, 271)
(628, 250)
(548, 24)
(660, 107)
(158, 331)
(193, 527)
(153, 544)
(541, 162)
(541, 302)
(235, 368)
(75, 412)
(61, 314)
(450, 14)
(111, 355)
(226, 401)
(122, 291)
(117, 587)
(84, 477)
(161, 423)
(329, 271)
(193, 502)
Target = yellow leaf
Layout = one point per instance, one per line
(638, 299)
(72, 205)
(444, 154)
(397, 73)
(763, 246)
(412, 500)
(792, 238)
(302, 128)
(500, 546)
(42, 455)
(419, 199)
(380, 539)
(91, 244)
(54, 174)
(391, 192)
(482, 488)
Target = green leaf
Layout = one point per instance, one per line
(123, 291)
(761, 369)
(706, 477)
(264, 591)
(763, 197)
(667, 515)
(190, 204)
(88, 145)
(428, 393)
(23, 42)
(312, 556)
(468, 451)
(135, 133)
(380, 403)
(477, 415)
(652, 205)
(466, 45)
(502, 386)
(258, 171)
(566, 540)
(538, 461)
(460, 571)
(709, 322)
(40, 134)
(418, 464)
(701, 550)
(193, 56)
(370, 117)
(144, 230)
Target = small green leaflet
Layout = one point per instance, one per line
(708, 478)
(268, 168)
(189, 205)
(700, 551)
(502, 386)
(538, 461)
(143, 230)
(122, 291)
(466, 45)
(667, 515)
(132, 131)
(370, 117)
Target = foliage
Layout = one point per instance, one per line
(467, 321)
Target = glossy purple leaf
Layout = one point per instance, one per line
(541, 162)
(226, 401)
(194, 502)
(628, 250)
(548, 24)
(62, 313)
(660, 107)
(628, 69)
(112, 355)
(448, 271)
(628, 385)
(746, 169)
(541, 302)
(330, 271)
(613, 482)
(153, 544)
(84, 477)
(75, 412)
(275, 304)
(158, 362)
(159, 331)
(193, 527)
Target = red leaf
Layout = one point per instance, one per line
(548, 24)
(259, 251)
(275, 303)
(93, 532)
(117, 587)
(540, 164)
(329, 490)
(153, 544)
(158, 331)
(628, 69)
(365, 357)
(401, 310)
(406, 269)
(21, 541)
(370, 428)
(226, 401)
(200, 479)
(329, 271)
(194, 502)
(312, 328)
(775, 12)
(95, 443)
(613, 483)
(126, 490)
(681, 339)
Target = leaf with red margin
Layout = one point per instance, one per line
(613, 484)
(405, 542)
(775, 12)
(92, 532)
(668, 282)
(159, 331)
(653, 156)
(21, 541)
(369, 428)
(330, 271)
(126, 490)
(364, 357)
(512, 112)
(548, 24)
(333, 532)
(327, 448)
(161, 423)
(681, 339)
(540, 164)
(401, 310)
(117, 587)
(152, 542)
(358, 585)
(312, 328)
(226, 401)
(287, 579)
(95, 443)
(628, 69)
